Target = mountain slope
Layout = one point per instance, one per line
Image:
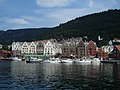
(106, 24)
(7, 37)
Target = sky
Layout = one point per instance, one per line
(16, 14)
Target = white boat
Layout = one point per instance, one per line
(16, 59)
(96, 61)
(52, 60)
(85, 61)
(66, 61)
(55, 60)
(33, 60)
(46, 61)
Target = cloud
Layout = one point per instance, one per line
(51, 12)
(67, 14)
(103, 4)
(31, 18)
(90, 3)
(16, 21)
(53, 3)
(70, 13)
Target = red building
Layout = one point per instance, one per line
(91, 49)
(86, 49)
(4, 53)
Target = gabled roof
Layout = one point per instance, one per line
(91, 43)
(21, 43)
(80, 42)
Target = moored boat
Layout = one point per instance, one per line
(52, 60)
(84, 61)
(33, 60)
(66, 61)
(16, 59)
(96, 61)
(55, 60)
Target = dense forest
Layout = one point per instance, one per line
(28, 34)
(106, 24)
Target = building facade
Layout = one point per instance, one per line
(69, 49)
(51, 48)
(45, 47)
(80, 49)
(91, 49)
(40, 48)
(16, 48)
(76, 48)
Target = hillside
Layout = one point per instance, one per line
(7, 37)
(106, 24)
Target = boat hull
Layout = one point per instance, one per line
(83, 61)
(67, 61)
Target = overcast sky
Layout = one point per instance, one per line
(48, 13)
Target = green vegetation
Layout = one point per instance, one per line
(106, 24)
(7, 37)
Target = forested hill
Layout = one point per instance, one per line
(106, 24)
(28, 34)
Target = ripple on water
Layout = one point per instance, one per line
(43, 76)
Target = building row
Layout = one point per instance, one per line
(73, 47)
(66, 48)
(45, 47)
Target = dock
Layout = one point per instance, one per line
(111, 61)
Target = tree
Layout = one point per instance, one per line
(5, 47)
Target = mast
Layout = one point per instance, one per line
(85, 50)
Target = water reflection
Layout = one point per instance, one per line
(21, 75)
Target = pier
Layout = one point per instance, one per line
(111, 61)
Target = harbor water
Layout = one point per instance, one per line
(18, 75)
